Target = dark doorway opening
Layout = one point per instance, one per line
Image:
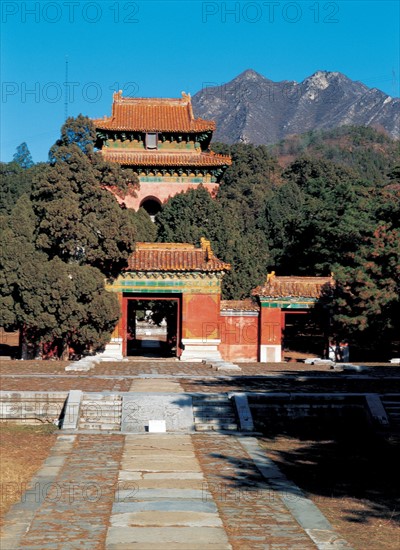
(152, 326)
(152, 206)
(304, 331)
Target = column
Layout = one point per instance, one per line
(270, 334)
(200, 327)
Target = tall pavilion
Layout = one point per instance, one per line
(162, 141)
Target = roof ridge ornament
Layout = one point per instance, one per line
(270, 277)
(206, 247)
(188, 98)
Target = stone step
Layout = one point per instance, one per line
(209, 427)
(98, 426)
(93, 413)
(210, 397)
(211, 413)
(212, 404)
(215, 408)
(213, 420)
(101, 402)
(100, 419)
(100, 407)
(214, 413)
(101, 397)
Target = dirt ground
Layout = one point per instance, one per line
(22, 452)
(352, 479)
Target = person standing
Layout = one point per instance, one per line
(331, 351)
(345, 352)
(338, 353)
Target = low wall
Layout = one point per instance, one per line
(273, 409)
(31, 407)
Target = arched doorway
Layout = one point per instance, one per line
(152, 205)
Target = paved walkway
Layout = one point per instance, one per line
(69, 502)
(169, 491)
(161, 501)
(253, 514)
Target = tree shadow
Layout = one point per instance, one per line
(342, 459)
(310, 381)
(336, 455)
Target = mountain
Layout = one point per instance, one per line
(253, 109)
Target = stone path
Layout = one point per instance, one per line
(169, 491)
(161, 500)
(253, 514)
(70, 500)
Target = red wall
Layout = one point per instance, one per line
(239, 337)
(200, 314)
(271, 326)
(163, 191)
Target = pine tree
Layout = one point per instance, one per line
(23, 157)
(61, 243)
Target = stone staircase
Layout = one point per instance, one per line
(214, 412)
(100, 411)
(391, 404)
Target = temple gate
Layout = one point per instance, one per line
(192, 278)
(204, 326)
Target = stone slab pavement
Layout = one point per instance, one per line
(172, 491)
(161, 501)
(254, 516)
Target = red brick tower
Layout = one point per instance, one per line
(162, 141)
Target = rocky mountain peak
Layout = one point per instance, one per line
(256, 110)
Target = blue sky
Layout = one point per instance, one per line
(159, 48)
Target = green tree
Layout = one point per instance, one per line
(367, 303)
(79, 220)
(187, 217)
(327, 215)
(234, 238)
(47, 299)
(23, 157)
(14, 181)
(79, 131)
(61, 243)
(145, 228)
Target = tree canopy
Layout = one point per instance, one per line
(320, 213)
(65, 234)
(23, 157)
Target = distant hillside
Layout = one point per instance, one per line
(372, 153)
(253, 109)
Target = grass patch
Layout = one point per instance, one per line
(23, 449)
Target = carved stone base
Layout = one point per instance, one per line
(200, 350)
